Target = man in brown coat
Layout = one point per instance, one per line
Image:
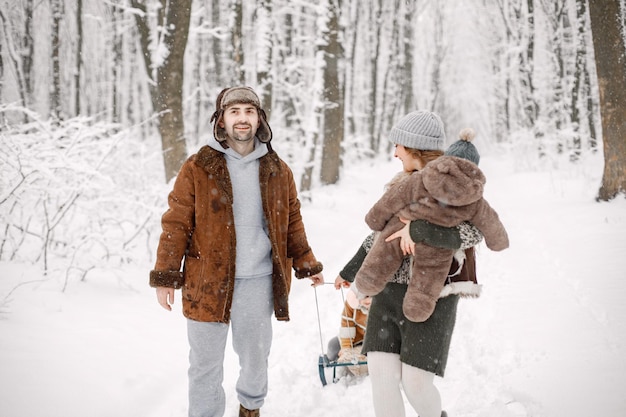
(234, 224)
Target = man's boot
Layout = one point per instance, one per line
(244, 412)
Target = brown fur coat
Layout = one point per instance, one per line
(199, 228)
(446, 192)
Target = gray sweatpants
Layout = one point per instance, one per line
(251, 324)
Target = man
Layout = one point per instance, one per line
(234, 217)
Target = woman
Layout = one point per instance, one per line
(401, 353)
(447, 192)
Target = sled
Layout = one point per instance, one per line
(324, 364)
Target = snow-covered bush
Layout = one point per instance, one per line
(78, 195)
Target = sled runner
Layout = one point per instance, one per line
(324, 364)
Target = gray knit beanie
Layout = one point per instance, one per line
(421, 130)
(464, 148)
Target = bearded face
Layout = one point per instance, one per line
(240, 121)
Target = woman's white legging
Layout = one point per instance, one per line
(388, 374)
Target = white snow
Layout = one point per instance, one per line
(547, 338)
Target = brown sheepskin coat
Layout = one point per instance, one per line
(448, 191)
(199, 232)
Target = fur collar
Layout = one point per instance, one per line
(212, 160)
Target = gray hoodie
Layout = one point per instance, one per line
(253, 244)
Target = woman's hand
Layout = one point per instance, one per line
(340, 282)
(406, 243)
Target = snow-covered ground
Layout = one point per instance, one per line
(547, 338)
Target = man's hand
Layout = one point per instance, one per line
(318, 279)
(340, 282)
(165, 296)
(406, 243)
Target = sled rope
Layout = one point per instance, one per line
(319, 324)
(317, 307)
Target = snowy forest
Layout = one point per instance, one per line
(96, 93)
(102, 100)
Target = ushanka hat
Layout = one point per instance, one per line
(421, 130)
(239, 95)
(464, 148)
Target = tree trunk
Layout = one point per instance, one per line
(285, 102)
(79, 55)
(14, 59)
(239, 77)
(141, 20)
(527, 66)
(560, 42)
(406, 79)
(166, 88)
(351, 67)
(264, 49)
(217, 53)
(502, 65)
(608, 43)
(1, 85)
(391, 91)
(579, 75)
(28, 54)
(170, 87)
(55, 47)
(333, 100)
(373, 82)
(591, 108)
(116, 65)
(437, 103)
(198, 81)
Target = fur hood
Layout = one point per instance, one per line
(453, 181)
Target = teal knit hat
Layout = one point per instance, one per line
(421, 130)
(464, 148)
